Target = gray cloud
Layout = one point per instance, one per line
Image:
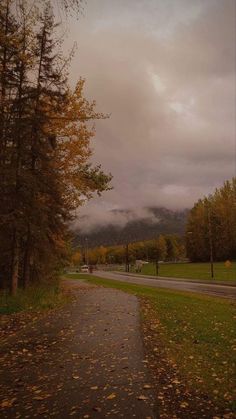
(166, 73)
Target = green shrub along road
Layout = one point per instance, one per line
(200, 327)
(193, 271)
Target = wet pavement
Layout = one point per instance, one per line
(84, 361)
(216, 290)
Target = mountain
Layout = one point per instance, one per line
(127, 226)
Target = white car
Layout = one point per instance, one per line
(84, 268)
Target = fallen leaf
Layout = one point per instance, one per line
(142, 397)
(183, 405)
(176, 381)
(97, 409)
(43, 397)
(111, 396)
(7, 403)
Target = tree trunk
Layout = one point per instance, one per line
(27, 260)
(15, 265)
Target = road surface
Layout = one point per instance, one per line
(217, 290)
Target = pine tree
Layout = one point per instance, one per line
(45, 146)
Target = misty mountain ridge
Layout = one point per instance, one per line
(120, 226)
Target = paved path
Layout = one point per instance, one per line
(85, 360)
(224, 291)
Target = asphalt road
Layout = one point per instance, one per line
(217, 290)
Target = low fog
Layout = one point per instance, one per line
(95, 216)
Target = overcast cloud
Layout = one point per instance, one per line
(165, 70)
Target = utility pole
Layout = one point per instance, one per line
(127, 257)
(86, 251)
(210, 241)
(157, 258)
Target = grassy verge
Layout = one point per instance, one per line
(193, 271)
(34, 298)
(198, 333)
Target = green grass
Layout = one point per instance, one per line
(40, 297)
(193, 271)
(197, 331)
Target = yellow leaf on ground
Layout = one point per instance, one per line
(184, 405)
(111, 396)
(7, 403)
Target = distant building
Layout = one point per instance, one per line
(139, 264)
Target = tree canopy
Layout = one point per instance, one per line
(213, 218)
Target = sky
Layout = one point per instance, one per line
(165, 72)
